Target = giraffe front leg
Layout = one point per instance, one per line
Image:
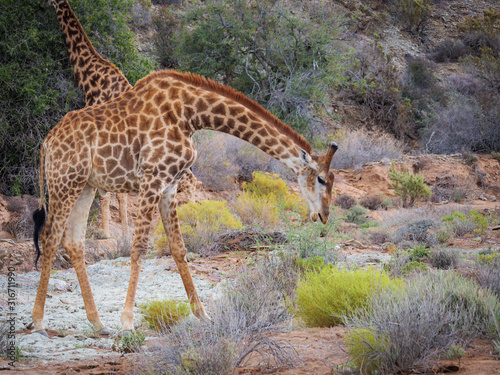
(147, 203)
(168, 211)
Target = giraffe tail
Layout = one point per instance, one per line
(39, 214)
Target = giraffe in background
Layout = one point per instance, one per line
(142, 141)
(101, 81)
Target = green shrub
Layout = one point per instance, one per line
(413, 267)
(482, 32)
(363, 346)
(200, 224)
(408, 186)
(325, 296)
(310, 239)
(161, 314)
(414, 14)
(356, 215)
(462, 224)
(419, 252)
(37, 82)
(131, 342)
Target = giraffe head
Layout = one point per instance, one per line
(316, 181)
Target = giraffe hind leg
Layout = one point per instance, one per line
(57, 217)
(73, 242)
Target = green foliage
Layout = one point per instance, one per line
(482, 32)
(200, 223)
(283, 57)
(414, 14)
(261, 200)
(489, 257)
(461, 224)
(414, 266)
(325, 296)
(408, 186)
(356, 214)
(311, 239)
(455, 352)
(36, 80)
(496, 155)
(131, 342)
(419, 252)
(363, 346)
(161, 314)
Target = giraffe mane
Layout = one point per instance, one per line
(218, 88)
(90, 45)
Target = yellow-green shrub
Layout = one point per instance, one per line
(161, 314)
(325, 296)
(364, 347)
(200, 223)
(262, 198)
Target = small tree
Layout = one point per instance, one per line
(408, 186)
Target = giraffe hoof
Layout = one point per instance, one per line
(104, 331)
(41, 332)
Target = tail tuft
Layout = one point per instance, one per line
(39, 220)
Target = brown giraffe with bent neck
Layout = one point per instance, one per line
(142, 141)
(101, 81)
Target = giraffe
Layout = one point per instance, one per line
(142, 141)
(101, 81)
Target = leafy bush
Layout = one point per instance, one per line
(419, 252)
(413, 14)
(130, 343)
(325, 296)
(165, 25)
(356, 215)
(36, 80)
(200, 224)
(363, 346)
(462, 224)
(482, 32)
(358, 147)
(414, 267)
(268, 51)
(408, 186)
(160, 315)
(311, 239)
(262, 199)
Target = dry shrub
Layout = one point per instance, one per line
(420, 321)
(222, 159)
(374, 202)
(372, 82)
(345, 201)
(487, 272)
(449, 50)
(444, 259)
(243, 322)
(257, 211)
(201, 223)
(20, 226)
(359, 147)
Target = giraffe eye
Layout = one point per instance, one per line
(321, 180)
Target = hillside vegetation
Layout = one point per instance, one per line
(326, 68)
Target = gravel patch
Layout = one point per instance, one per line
(65, 312)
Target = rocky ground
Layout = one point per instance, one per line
(72, 348)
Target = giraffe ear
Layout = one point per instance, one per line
(304, 156)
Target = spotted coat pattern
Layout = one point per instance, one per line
(142, 141)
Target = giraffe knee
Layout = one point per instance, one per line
(178, 253)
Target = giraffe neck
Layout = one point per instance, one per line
(198, 103)
(99, 78)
